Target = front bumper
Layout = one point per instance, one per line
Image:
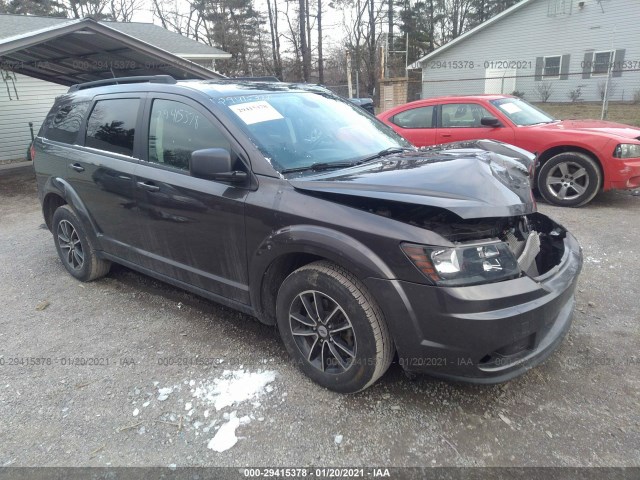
(485, 333)
(623, 174)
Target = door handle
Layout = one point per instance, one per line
(446, 135)
(77, 167)
(149, 187)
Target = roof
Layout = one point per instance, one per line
(11, 25)
(76, 51)
(213, 88)
(470, 33)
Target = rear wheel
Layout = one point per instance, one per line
(569, 179)
(332, 327)
(74, 248)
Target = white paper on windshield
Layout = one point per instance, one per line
(510, 108)
(255, 112)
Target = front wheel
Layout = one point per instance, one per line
(332, 327)
(569, 179)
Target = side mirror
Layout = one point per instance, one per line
(215, 164)
(490, 122)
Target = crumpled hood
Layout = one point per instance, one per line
(597, 126)
(471, 179)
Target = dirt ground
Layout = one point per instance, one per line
(580, 408)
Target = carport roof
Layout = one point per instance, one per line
(75, 51)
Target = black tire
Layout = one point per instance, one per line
(569, 179)
(346, 319)
(74, 248)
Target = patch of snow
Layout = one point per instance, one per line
(338, 439)
(163, 393)
(136, 412)
(225, 438)
(146, 404)
(234, 387)
(188, 406)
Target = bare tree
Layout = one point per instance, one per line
(275, 38)
(123, 10)
(305, 53)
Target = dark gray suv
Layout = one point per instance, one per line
(299, 208)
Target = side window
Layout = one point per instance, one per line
(176, 130)
(112, 124)
(463, 115)
(63, 122)
(421, 117)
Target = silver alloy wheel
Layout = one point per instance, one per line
(322, 332)
(70, 245)
(567, 181)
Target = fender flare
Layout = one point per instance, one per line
(62, 188)
(323, 242)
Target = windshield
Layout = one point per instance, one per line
(294, 130)
(521, 112)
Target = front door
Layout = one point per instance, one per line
(191, 229)
(462, 121)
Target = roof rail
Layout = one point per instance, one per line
(121, 80)
(257, 79)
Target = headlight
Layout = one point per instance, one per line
(465, 264)
(627, 150)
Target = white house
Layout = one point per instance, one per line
(25, 99)
(539, 47)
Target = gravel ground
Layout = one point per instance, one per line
(580, 408)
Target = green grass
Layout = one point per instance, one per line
(622, 112)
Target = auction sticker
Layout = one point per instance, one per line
(510, 108)
(255, 112)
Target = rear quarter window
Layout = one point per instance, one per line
(64, 121)
(111, 126)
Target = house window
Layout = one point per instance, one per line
(552, 67)
(601, 63)
(559, 7)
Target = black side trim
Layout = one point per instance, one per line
(249, 310)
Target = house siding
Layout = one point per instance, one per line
(530, 33)
(30, 101)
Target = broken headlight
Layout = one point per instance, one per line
(464, 264)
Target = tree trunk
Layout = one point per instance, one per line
(320, 59)
(304, 48)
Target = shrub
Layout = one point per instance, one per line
(544, 90)
(576, 95)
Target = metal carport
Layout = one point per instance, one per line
(84, 50)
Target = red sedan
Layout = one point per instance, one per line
(577, 158)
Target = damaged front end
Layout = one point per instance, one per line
(500, 249)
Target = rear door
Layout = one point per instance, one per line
(100, 170)
(462, 121)
(417, 125)
(190, 229)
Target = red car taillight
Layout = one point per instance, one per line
(32, 152)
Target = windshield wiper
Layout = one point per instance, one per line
(322, 166)
(329, 165)
(385, 152)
